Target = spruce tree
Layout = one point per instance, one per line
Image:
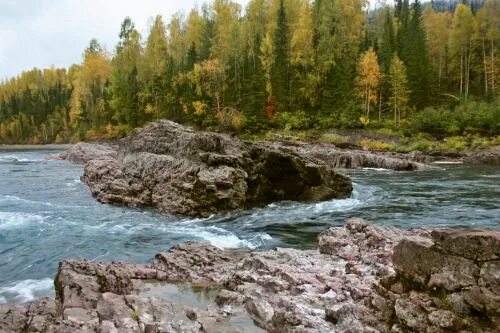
(413, 51)
(388, 42)
(254, 88)
(280, 80)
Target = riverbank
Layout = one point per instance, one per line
(35, 147)
(468, 149)
(362, 278)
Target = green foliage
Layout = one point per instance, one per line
(295, 120)
(333, 138)
(472, 117)
(454, 144)
(376, 145)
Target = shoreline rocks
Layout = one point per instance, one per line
(362, 278)
(353, 158)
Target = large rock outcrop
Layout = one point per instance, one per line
(363, 278)
(181, 171)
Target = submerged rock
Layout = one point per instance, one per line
(181, 171)
(360, 280)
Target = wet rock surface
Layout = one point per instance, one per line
(181, 171)
(362, 278)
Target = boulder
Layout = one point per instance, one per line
(182, 171)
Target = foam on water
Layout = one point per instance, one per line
(361, 195)
(213, 235)
(448, 162)
(25, 290)
(31, 203)
(491, 176)
(379, 169)
(222, 238)
(13, 220)
(10, 198)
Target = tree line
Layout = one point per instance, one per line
(292, 64)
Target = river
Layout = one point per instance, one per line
(47, 215)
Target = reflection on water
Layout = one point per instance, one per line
(202, 298)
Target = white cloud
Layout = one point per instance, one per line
(41, 33)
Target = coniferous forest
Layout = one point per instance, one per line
(430, 68)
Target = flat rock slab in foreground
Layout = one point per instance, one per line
(363, 278)
(181, 171)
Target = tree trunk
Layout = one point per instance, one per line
(493, 67)
(367, 102)
(380, 106)
(485, 70)
(461, 72)
(469, 59)
(440, 71)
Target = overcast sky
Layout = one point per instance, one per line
(41, 33)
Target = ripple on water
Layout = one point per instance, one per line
(14, 220)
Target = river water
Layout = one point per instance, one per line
(47, 215)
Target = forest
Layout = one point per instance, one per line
(417, 68)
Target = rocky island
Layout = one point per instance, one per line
(178, 170)
(181, 171)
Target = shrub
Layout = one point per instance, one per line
(376, 145)
(454, 143)
(293, 120)
(471, 117)
(333, 138)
